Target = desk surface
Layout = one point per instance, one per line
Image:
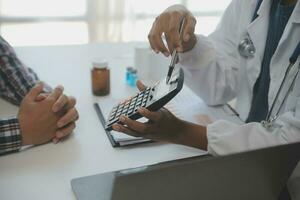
(44, 172)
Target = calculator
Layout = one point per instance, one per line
(153, 98)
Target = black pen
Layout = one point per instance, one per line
(175, 53)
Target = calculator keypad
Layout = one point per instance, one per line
(130, 106)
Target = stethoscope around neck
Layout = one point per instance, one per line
(247, 50)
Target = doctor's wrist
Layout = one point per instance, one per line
(194, 135)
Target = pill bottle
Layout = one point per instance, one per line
(100, 78)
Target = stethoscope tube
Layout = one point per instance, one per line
(289, 90)
(268, 122)
(279, 90)
(295, 54)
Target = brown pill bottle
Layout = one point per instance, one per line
(100, 78)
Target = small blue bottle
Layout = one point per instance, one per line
(128, 73)
(133, 78)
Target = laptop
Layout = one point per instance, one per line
(259, 174)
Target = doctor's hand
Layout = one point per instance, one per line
(162, 125)
(168, 23)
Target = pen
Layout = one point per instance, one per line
(175, 53)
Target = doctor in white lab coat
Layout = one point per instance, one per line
(215, 70)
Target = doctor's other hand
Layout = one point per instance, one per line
(162, 125)
(168, 23)
(38, 124)
(64, 104)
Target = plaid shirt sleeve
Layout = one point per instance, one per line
(10, 137)
(15, 78)
(15, 82)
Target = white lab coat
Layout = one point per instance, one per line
(216, 72)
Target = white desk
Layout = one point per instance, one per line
(44, 172)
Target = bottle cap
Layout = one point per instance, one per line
(133, 71)
(100, 64)
(129, 68)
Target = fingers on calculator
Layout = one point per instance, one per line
(130, 106)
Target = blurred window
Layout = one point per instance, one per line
(61, 22)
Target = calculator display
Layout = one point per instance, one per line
(161, 90)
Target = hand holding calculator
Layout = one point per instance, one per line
(153, 98)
